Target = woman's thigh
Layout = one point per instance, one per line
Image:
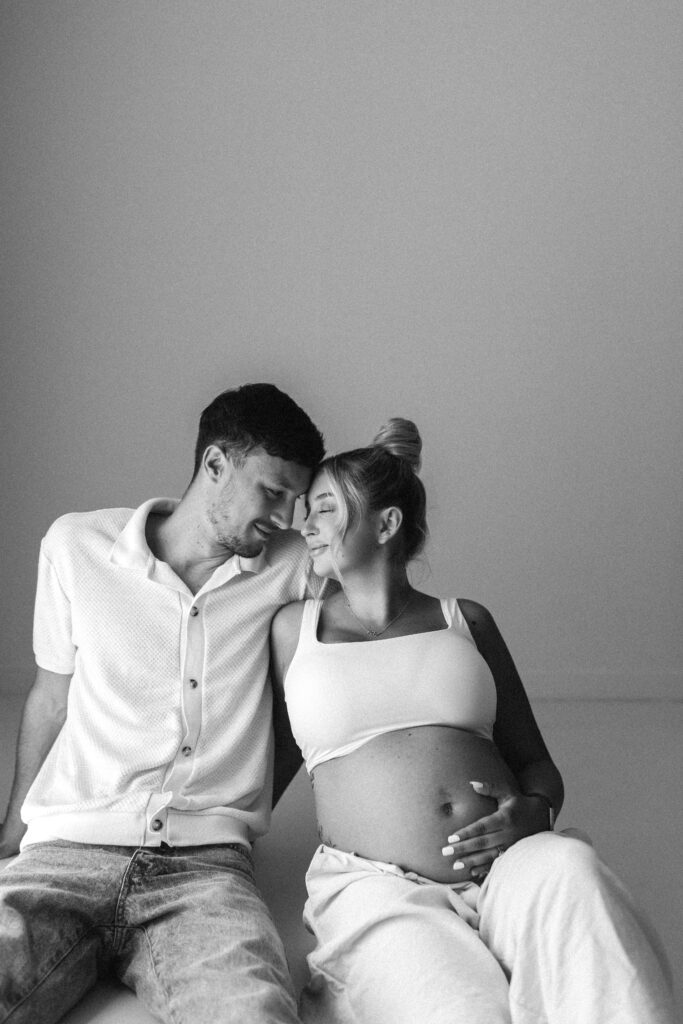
(570, 937)
(394, 950)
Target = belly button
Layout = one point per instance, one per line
(447, 809)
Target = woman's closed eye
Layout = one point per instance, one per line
(317, 511)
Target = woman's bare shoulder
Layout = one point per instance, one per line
(475, 613)
(482, 626)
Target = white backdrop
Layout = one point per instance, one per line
(469, 214)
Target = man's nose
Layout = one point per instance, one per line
(283, 514)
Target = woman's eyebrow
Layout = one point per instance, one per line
(323, 494)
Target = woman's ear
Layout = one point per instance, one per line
(389, 524)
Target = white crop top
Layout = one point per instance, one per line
(342, 695)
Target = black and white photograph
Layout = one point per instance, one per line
(341, 533)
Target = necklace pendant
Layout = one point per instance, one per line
(376, 634)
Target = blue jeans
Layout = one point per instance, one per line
(184, 927)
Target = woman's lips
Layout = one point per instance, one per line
(313, 551)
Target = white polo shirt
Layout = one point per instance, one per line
(168, 731)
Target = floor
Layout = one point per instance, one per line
(622, 763)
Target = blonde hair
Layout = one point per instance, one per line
(382, 475)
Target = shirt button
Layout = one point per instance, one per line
(157, 825)
(194, 684)
(187, 751)
(194, 611)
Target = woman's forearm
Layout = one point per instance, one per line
(542, 778)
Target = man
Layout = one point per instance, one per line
(145, 758)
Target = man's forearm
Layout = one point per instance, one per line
(41, 721)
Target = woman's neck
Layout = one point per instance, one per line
(375, 598)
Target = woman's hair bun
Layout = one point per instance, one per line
(401, 438)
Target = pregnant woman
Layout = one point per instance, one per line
(439, 892)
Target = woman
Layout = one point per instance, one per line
(439, 891)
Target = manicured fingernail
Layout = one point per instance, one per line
(458, 866)
(477, 785)
(447, 851)
(453, 839)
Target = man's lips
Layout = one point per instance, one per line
(262, 530)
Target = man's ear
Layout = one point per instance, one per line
(215, 462)
(389, 524)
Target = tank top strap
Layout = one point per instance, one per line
(458, 620)
(309, 622)
(449, 608)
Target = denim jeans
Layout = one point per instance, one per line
(184, 927)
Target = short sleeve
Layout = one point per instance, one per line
(53, 646)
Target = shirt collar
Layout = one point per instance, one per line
(233, 567)
(131, 550)
(255, 564)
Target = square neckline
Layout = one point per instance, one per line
(319, 601)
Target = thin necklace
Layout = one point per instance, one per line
(373, 632)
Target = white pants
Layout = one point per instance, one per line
(550, 937)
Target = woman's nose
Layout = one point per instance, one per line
(309, 526)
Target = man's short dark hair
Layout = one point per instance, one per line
(259, 416)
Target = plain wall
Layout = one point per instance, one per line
(464, 213)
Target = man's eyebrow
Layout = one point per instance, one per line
(280, 481)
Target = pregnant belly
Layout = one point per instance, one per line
(399, 797)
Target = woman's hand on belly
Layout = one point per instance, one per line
(397, 798)
(475, 847)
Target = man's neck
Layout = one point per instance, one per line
(180, 540)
